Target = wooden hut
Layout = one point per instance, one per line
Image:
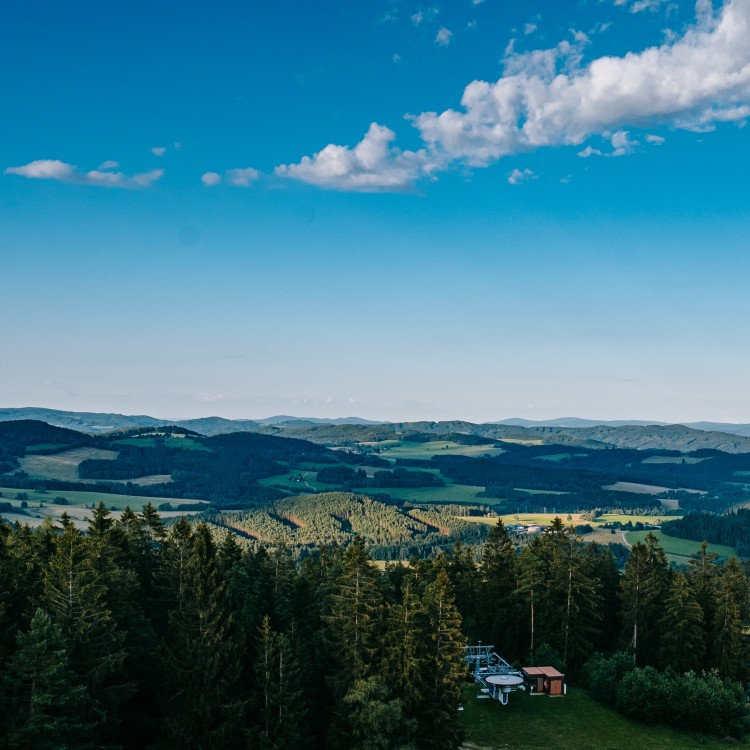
(544, 681)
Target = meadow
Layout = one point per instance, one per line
(677, 548)
(573, 722)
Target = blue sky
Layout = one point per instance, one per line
(391, 209)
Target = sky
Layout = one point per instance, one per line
(474, 209)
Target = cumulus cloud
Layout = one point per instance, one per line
(443, 37)
(517, 176)
(159, 150)
(656, 140)
(238, 177)
(211, 178)
(552, 98)
(242, 177)
(372, 165)
(103, 176)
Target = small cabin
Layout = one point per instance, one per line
(544, 681)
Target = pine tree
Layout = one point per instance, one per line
(405, 640)
(643, 586)
(682, 644)
(47, 708)
(730, 643)
(76, 597)
(354, 621)
(445, 668)
(279, 702)
(201, 647)
(703, 576)
(499, 570)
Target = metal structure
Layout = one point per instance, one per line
(497, 678)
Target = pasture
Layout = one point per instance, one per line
(679, 549)
(393, 449)
(573, 722)
(647, 489)
(62, 466)
(173, 441)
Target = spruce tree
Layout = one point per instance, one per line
(730, 643)
(682, 644)
(47, 708)
(354, 620)
(445, 668)
(499, 570)
(201, 647)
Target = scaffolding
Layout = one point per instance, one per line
(497, 678)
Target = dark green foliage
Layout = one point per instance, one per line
(602, 675)
(46, 708)
(701, 703)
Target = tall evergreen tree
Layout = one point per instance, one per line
(279, 702)
(354, 621)
(76, 596)
(201, 647)
(47, 708)
(730, 644)
(643, 587)
(499, 570)
(682, 644)
(445, 668)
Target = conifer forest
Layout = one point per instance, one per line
(137, 635)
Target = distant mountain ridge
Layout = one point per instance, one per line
(347, 431)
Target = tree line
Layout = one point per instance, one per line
(133, 635)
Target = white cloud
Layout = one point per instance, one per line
(656, 140)
(589, 151)
(242, 177)
(551, 98)
(238, 177)
(211, 178)
(621, 143)
(517, 176)
(530, 28)
(701, 78)
(443, 37)
(396, 57)
(54, 169)
(370, 166)
(159, 150)
(417, 18)
(477, 2)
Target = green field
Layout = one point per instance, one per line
(687, 460)
(425, 451)
(289, 482)
(170, 442)
(77, 498)
(679, 548)
(451, 493)
(573, 722)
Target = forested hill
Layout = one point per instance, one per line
(343, 432)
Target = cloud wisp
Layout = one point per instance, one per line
(105, 175)
(239, 177)
(552, 98)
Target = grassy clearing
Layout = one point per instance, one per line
(687, 460)
(425, 451)
(573, 722)
(451, 493)
(62, 466)
(78, 498)
(291, 482)
(170, 442)
(647, 489)
(677, 547)
(554, 457)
